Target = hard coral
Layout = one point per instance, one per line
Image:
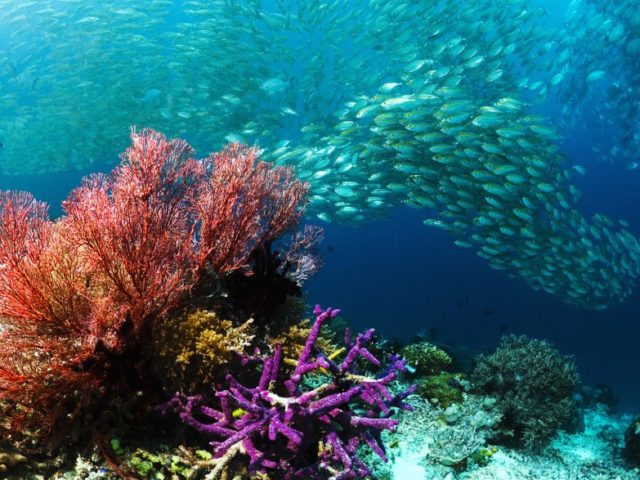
(425, 358)
(79, 296)
(446, 437)
(193, 349)
(290, 431)
(533, 384)
(442, 390)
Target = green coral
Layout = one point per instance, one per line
(443, 389)
(425, 358)
(428, 362)
(178, 463)
(116, 446)
(203, 454)
(144, 467)
(482, 456)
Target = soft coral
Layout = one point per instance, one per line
(78, 296)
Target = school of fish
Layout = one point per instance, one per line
(598, 77)
(376, 103)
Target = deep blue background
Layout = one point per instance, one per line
(404, 278)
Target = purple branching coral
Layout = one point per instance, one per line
(291, 430)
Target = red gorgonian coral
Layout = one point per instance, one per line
(80, 294)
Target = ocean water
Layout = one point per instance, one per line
(294, 77)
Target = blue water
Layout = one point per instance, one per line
(405, 279)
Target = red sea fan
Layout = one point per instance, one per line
(243, 203)
(43, 306)
(79, 296)
(135, 230)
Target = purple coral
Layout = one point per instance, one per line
(298, 431)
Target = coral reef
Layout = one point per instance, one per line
(533, 384)
(418, 448)
(430, 438)
(288, 430)
(455, 444)
(425, 358)
(193, 349)
(632, 442)
(443, 389)
(81, 295)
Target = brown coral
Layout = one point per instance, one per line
(194, 348)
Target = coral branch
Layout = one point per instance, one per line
(302, 432)
(244, 204)
(136, 228)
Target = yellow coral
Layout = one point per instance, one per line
(193, 348)
(293, 340)
(287, 329)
